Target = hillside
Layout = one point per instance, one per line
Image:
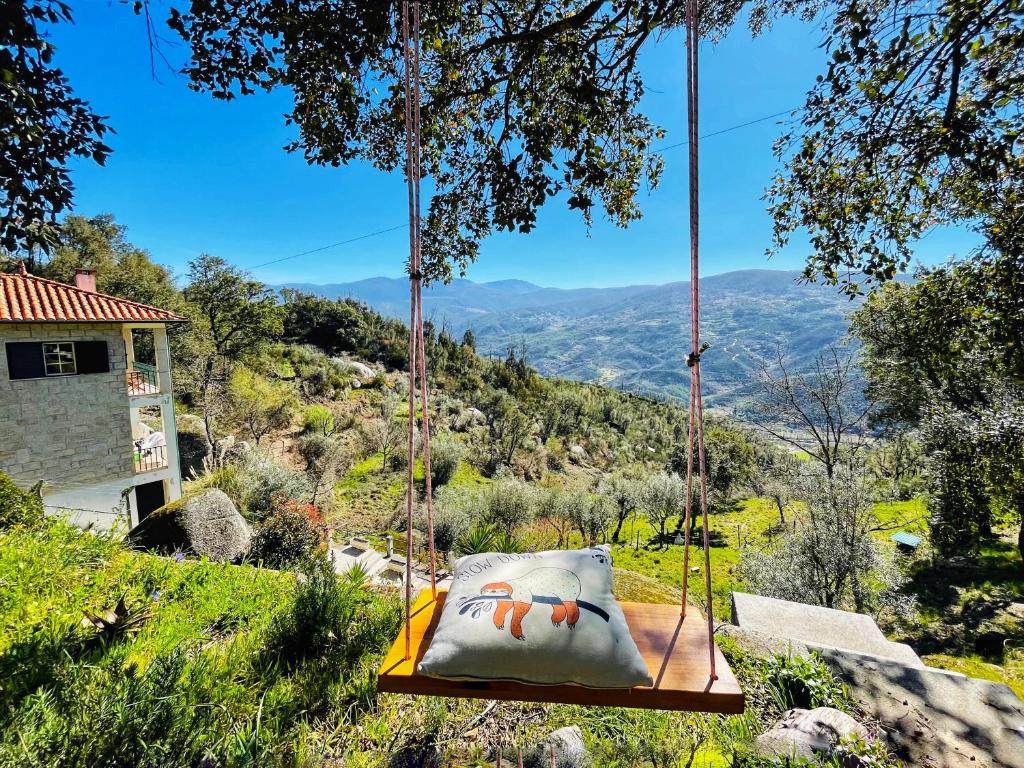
(630, 337)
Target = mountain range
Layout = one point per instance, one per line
(634, 337)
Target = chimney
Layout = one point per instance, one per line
(85, 280)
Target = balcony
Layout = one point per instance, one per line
(149, 458)
(142, 380)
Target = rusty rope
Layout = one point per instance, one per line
(417, 350)
(697, 348)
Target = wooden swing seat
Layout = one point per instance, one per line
(675, 649)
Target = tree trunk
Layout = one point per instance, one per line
(1020, 539)
(782, 511)
(618, 530)
(207, 416)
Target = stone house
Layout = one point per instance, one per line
(78, 412)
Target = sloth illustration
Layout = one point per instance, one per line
(557, 587)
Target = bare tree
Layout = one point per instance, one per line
(384, 435)
(826, 404)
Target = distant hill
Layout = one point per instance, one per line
(635, 336)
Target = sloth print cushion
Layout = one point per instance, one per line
(543, 617)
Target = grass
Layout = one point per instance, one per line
(974, 666)
(664, 564)
(235, 666)
(192, 659)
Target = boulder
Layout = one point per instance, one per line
(362, 370)
(469, 417)
(205, 523)
(567, 744)
(578, 453)
(808, 733)
(238, 451)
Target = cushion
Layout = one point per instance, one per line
(540, 617)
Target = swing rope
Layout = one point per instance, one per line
(697, 349)
(417, 351)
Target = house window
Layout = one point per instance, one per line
(59, 358)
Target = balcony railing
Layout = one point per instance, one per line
(150, 459)
(142, 380)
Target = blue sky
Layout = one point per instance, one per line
(191, 175)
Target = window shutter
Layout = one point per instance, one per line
(25, 360)
(91, 357)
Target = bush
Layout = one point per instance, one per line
(510, 503)
(318, 419)
(289, 534)
(267, 482)
(331, 617)
(314, 447)
(455, 512)
(445, 455)
(18, 507)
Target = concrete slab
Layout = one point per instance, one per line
(818, 627)
(935, 719)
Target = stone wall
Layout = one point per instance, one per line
(65, 430)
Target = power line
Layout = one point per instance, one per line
(728, 130)
(397, 227)
(332, 245)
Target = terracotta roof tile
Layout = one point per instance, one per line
(31, 299)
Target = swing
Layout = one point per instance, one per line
(688, 670)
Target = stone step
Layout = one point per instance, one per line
(818, 627)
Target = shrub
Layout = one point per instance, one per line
(329, 618)
(318, 419)
(455, 512)
(445, 455)
(287, 535)
(510, 503)
(18, 507)
(264, 482)
(314, 447)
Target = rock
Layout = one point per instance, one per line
(568, 746)
(238, 451)
(933, 718)
(807, 733)
(469, 417)
(222, 446)
(578, 453)
(991, 641)
(188, 422)
(362, 370)
(206, 523)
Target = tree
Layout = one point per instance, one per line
(446, 454)
(593, 518)
(915, 124)
(508, 428)
(43, 127)
(239, 316)
(729, 459)
(826, 406)
(562, 508)
(325, 459)
(624, 493)
(469, 340)
(260, 404)
(524, 101)
(829, 558)
(944, 355)
(773, 478)
(510, 503)
(663, 496)
(385, 433)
